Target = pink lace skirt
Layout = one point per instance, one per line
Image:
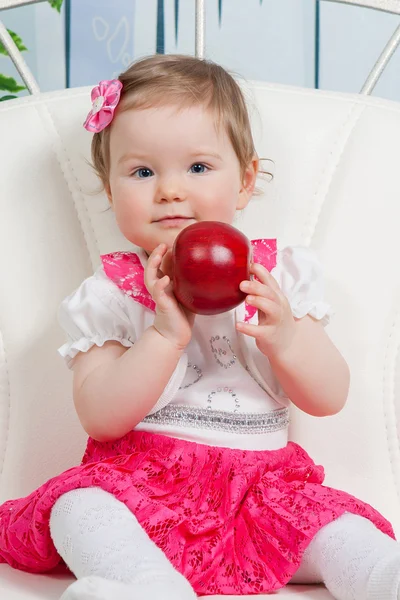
(232, 521)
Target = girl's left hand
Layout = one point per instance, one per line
(276, 325)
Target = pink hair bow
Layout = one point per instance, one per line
(105, 98)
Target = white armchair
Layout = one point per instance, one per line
(335, 187)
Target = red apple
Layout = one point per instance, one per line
(209, 260)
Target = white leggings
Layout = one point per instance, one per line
(103, 544)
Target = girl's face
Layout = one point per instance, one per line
(172, 167)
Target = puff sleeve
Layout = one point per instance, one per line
(94, 314)
(299, 274)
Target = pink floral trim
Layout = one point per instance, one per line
(127, 272)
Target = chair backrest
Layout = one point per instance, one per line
(335, 187)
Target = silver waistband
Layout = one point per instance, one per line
(220, 420)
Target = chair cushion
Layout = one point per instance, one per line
(15, 585)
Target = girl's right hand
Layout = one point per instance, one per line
(172, 320)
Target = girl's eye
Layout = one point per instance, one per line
(143, 173)
(198, 168)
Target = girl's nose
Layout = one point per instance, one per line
(171, 190)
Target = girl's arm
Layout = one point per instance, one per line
(311, 370)
(116, 387)
(306, 363)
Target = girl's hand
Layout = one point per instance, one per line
(172, 320)
(276, 325)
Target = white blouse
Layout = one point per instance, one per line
(223, 391)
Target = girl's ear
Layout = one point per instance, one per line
(248, 184)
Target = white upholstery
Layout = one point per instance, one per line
(336, 187)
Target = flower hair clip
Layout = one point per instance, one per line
(105, 98)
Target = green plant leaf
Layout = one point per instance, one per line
(57, 4)
(3, 98)
(18, 42)
(8, 84)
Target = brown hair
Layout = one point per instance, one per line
(186, 81)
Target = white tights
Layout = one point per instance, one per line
(112, 557)
(109, 553)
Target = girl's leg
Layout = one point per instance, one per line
(108, 551)
(354, 560)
